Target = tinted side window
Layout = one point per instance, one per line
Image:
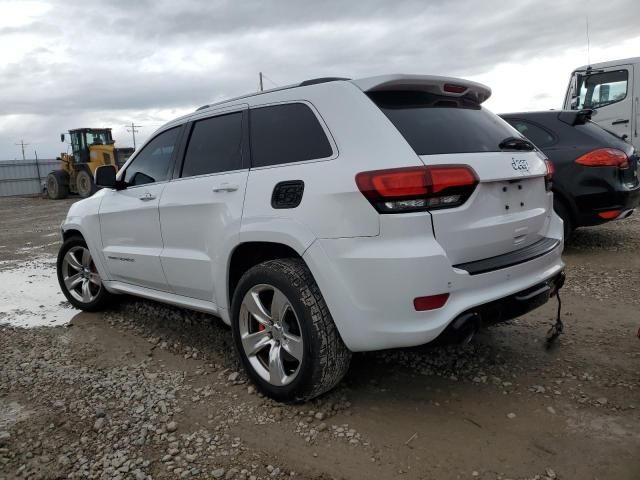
(153, 162)
(214, 146)
(435, 124)
(286, 133)
(539, 136)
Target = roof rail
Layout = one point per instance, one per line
(314, 81)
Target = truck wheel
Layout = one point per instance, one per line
(284, 333)
(79, 278)
(58, 185)
(85, 184)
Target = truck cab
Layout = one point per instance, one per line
(611, 90)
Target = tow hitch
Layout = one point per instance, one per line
(557, 328)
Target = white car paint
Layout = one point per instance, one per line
(622, 117)
(368, 266)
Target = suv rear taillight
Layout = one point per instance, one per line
(412, 189)
(548, 178)
(604, 157)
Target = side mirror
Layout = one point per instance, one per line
(62, 137)
(106, 176)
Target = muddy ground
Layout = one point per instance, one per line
(150, 391)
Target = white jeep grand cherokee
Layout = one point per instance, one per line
(325, 218)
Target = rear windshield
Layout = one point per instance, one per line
(434, 124)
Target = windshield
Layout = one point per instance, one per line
(435, 124)
(600, 89)
(98, 137)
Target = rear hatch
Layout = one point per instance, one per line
(510, 206)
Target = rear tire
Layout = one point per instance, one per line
(79, 278)
(563, 212)
(85, 184)
(294, 353)
(58, 185)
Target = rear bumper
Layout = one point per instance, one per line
(369, 285)
(501, 310)
(607, 198)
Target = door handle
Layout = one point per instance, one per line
(226, 187)
(619, 122)
(146, 197)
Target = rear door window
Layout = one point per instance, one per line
(286, 133)
(215, 145)
(539, 136)
(154, 160)
(436, 124)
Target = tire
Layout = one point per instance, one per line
(58, 185)
(313, 357)
(97, 297)
(85, 186)
(563, 212)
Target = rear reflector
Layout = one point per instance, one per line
(451, 88)
(430, 303)
(411, 189)
(609, 214)
(604, 157)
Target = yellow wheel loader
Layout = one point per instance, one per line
(91, 148)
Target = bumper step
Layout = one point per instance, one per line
(510, 259)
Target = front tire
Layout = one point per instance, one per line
(284, 333)
(85, 184)
(79, 278)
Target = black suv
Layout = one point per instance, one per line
(596, 172)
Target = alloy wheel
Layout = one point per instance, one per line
(80, 275)
(271, 335)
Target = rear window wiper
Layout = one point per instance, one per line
(515, 143)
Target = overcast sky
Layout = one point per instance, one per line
(70, 64)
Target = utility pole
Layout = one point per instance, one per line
(22, 144)
(261, 86)
(133, 129)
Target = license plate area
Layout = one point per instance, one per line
(513, 195)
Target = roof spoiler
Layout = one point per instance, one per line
(575, 117)
(449, 86)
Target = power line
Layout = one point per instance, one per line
(133, 130)
(22, 144)
(260, 81)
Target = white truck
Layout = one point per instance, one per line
(612, 91)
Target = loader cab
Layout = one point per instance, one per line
(83, 138)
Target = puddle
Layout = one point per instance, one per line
(31, 248)
(30, 296)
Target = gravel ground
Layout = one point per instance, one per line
(151, 391)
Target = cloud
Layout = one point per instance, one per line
(74, 63)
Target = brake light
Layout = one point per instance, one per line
(451, 88)
(411, 189)
(604, 157)
(548, 178)
(430, 303)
